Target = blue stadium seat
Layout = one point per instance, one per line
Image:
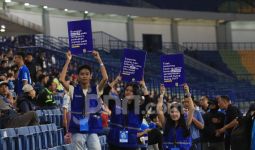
(48, 116)
(3, 144)
(54, 134)
(51, 116)
(11, 139)
(37, 137)
(59, 133)
(27, 139)
(58, 117)
(40, 115)
(42, 129)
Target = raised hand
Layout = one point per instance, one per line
(162, 89)
(96, 56)
(142, 83)
(68, 55)
(186, 88)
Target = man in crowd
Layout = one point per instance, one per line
(213, 120)
(23, 73)
(31, 66)
(45, 98)
(83, 129)
(204, 104)
(232, 113)
(196, 125)
(9, 118)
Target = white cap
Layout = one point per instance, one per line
(27, 88)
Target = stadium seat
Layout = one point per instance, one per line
(40, 115)
(44, 133)
(48, 116)
(37, 138)
(3, 144)
(11, 139)
(27, 139)
(58, 117)
(60, 134)
(56, 134)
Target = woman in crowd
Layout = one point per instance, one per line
(175, 124)
(126, 116)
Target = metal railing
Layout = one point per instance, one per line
(56, 45)
(193, 46)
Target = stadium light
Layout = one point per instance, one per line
(26, 4)
(45, 7)
(65, 9)
(8, 1)
(113, 15)
(178, 19)
(2, 26)
(86, 12)
(2, 30)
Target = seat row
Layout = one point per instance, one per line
(46, 136)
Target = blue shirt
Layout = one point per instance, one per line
(193, 129)
(23, 74)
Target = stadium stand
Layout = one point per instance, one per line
(247, 59)
(211, 72)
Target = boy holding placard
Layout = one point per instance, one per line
(85, 122)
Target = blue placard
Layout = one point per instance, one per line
(80, 36)
(132, 65)
(172, 69)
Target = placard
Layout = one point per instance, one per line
(172, 69)
(132, 65)
(80, 36)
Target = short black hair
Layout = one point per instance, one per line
(84, 67)
(225, 97)
(49, 82)
(136, 89)
(20, 53)
(41, 77)
(207, 97)
(152, 116)
(192, 97)
(31, 54)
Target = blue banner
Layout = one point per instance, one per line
(80, 36)
(172, 69)
(132, 65)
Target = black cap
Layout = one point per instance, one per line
(213, 101)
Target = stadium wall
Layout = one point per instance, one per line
(243, 31)
(189, 30)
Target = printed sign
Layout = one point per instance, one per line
(80, 36)
(172, 70)
(132, 66)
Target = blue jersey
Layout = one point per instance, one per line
(23, 75)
